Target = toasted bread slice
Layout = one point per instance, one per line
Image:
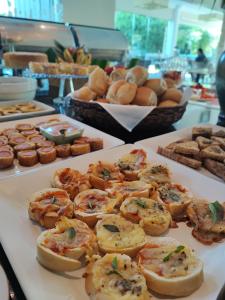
(115, 276)
(215, 167)
(201, 131)
(219, 133)
(204, 142)
(213, 152)
(170, 268)
(190, 162)
(173, 145)
(187, 148)
(219, 140)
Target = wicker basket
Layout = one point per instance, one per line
(96, 116)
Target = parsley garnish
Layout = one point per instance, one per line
(217, 211)
(114, 267)
(111, 227)
(177, 250)
(106, 174)
(141, 203)
(71, 233)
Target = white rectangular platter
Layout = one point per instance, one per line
(18, 234)
(44, 110)
(165, 139)
(108, 140)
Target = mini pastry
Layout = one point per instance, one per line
(27, 133)
(102, 174)
(46, 154)
(130, 164)
(71, 181)
(27, 158)
(6, 158)
(42, 143)
(3, 140)
(82, 140)
(172, 94)
(158, 85)
(167, 103)
(24, 126)
(155, 173)
(137, 75)
(48, 205)
(151, 215)
(64, 248)
(36, 139)
(96, 144)
(24, 146)
(176, 198)
(121, 92)
(8, 131)
(145, 97)
(113, 277)
(79, 149)
(36, 67)
(63, 150)
(84, 93)
(91, 204)
(117, 235)
(170, 268)
(98, 82)
(16, 140)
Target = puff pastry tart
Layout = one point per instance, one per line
(176, 198)
(64, 248)
(117, 235)
(71, 181)
(151, 215)
(91, 204)
(103, 174)
(113, 277)
(48, 205)
(131, 163)
(170, 267)
(155, 173)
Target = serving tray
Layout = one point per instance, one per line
(18, 234)
(108, 140)
(186, 133)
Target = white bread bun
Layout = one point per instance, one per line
(145, 97)
(151, 215)
(137, 75)
(48, 205)
(170, 83)
(172, 94)
(62, 249)
(158, 85)
(118, 74)
(170, 268)
(92, 203)
(98, 81)
(121, 92)
(167, 103)
(84, 93)
(117, 235)
(114, 277)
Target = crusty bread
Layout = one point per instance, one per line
(117, 235)
(215, 167)
(145, 97)
(172, 94)
(213, 152)
(170, 83)
(98, 82)
(219, 140)
(204, 142)
(167, 103)
(118, 74)
(114, 277)
(190, 162)
(180, 280)
(151, 215)
(84, 93)
(158, 85)
(121, 92)
(137, 75)
(187, 148)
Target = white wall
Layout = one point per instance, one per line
(90, 12)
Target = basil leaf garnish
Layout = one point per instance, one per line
(71, 233)
(115, 263)
(106, 174)
(141, 203)
(217, 211)
(177, 250)
(111, 227)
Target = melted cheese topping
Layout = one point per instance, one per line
(124, 282)
(173, 193)
(106, 171)
(169, 260)
(128, 187)
(157, 173)
(135, 160)
(127, 234)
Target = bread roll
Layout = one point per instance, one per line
(145, 97)
(158, 85)
(170, 83)
(168, 103)
(118, 74)
(121, 92)
(85, 94)
(137, 75)
(98, 82)
(172, 94)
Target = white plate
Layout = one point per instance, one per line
(18, 234)
(44, 110)
(108, 140)
(4, 288)
(165, 139)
